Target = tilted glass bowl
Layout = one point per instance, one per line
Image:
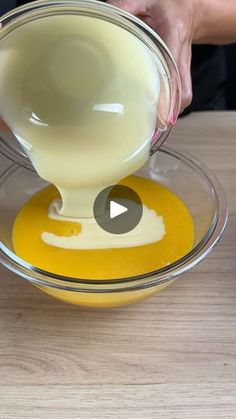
(166, 73)
(187, 177)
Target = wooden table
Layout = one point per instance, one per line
(172, 356)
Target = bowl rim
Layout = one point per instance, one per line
(150, 279)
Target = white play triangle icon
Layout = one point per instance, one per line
(116, 209)
(123, 209)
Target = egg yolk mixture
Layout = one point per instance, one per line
(33, 220)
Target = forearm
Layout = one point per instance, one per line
(215, 22)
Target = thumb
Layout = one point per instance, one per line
(131, 6)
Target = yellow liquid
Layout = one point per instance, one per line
(33, 219)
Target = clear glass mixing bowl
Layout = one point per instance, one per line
(187, 177)
(168, 105)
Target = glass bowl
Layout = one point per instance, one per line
(163, 113)
(184, 175)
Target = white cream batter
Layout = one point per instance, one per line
(151, 229)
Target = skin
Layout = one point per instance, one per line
(181, 23)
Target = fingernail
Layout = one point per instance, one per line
(174, 118)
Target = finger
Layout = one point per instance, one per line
(131, 6)
(181, 51)
(3, 126)
(185, 75)
(175, 49)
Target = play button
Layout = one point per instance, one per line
(118, 209)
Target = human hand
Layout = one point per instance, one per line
(175, 22)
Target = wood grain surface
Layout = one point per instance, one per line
(172, 356)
